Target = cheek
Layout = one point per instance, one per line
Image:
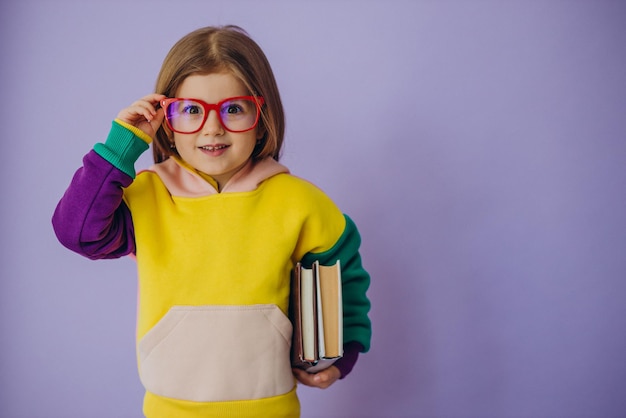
(183, 142)
(252, 141)
(182, 138)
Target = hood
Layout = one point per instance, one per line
(184, 181)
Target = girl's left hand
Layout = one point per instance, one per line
(322, 379)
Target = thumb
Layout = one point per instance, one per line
(157, 120)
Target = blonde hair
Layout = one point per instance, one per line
(217, 49)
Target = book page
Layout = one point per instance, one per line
(329, 282)
(307, 303)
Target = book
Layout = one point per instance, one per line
(316, 311)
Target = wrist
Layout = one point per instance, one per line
(135, 130)
(122, 148)
(350, 356)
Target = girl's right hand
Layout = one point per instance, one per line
(143, 114)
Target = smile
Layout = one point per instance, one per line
(214, 148)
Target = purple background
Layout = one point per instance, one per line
(479, 145)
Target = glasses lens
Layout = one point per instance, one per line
(239, 114)
(185, 115)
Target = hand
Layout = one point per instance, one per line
(143, 114)
(322, 379)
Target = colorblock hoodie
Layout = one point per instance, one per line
(213, 337)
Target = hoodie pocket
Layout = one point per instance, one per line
(218, 353)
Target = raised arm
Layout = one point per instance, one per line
(92, 218)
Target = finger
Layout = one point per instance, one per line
(138, 112)
(145, 108)
(321, 380)
(303, 377)
(157, 120)
(148, 103)
(152, 101)
(132, 116)
(153, 98)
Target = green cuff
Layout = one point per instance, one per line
(122, 149)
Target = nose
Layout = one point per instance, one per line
(212, 125)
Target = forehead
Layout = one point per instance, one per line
(211, 87)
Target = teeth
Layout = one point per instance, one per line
(210, 148)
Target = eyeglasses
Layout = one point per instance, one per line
(236, 114)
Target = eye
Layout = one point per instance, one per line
(237, 108)
(234, 108)
(191, 109)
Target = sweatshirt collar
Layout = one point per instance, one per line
(184, 181)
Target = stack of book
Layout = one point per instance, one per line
(317, 315)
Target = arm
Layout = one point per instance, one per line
(356, 305)
(92, 218)
(355, 282)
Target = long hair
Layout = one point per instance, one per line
(218, 49)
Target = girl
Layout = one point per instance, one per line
(216, 226)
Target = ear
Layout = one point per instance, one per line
(260, 132)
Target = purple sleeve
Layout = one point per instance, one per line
(350, 356)
(91, 218)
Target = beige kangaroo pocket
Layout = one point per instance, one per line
(218, 353)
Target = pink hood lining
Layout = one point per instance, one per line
(183, 181)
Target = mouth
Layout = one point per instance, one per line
(212, 148)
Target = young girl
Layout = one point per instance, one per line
(216, 225)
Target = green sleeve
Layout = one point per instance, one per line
(355, 282)
(122, 149)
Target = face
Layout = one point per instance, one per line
(213, 150)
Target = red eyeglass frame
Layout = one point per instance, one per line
(207, 107)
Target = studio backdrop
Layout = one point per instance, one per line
(479, 145)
